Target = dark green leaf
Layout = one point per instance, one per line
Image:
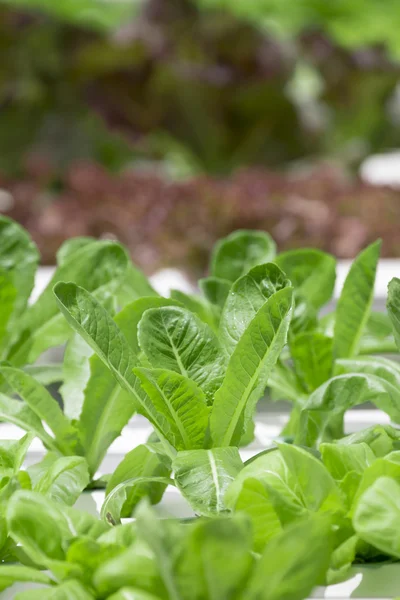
(313, 358)
(174, 339)
(99, 330)
(355, 301)
(181, 403)
(312, 273)
(236, 254)
(215, 289)
(19, 258)
(249, 368)
(322, 417)
(98, 266)
(247, 295)
(41, 402)
(393, 307)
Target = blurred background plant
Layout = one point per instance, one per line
(152, 119)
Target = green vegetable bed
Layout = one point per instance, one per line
(297, 515)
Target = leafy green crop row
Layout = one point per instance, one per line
(299, 513)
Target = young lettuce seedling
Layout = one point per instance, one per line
(199, 387)
(341, 481)
(60, 479)
(26, 332)
(103, 267)
(199, 396)
(155, 559)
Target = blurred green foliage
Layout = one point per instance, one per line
(255, 82)
(350, 24)
(97, 14)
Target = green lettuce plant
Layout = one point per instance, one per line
(301, 512)
(28, 330)
(154, 559)
(196, 366)
(60, 479)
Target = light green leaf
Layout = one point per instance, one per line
(377, 515)
(112, 508)
(215, 559)
(106, 409)
(393, 307)
(172, 338)
(8, 296)
(249, 368)
(340, 459)
(41, 402)
(247, 295)
(341, 560)
(98, 329)
(164, 538)
(215, 289)
(377, 336)
(76, 373)
(181, 402)
(19, 259)
(375, 365)
(355, 301)
(297, 483)
(19, 414)
(382, 439)
(132, 594)
(68, 590)
(236, 254)
(312, 273)
(293, 562)
(313, 484)
(285, 385)
(98, 266)
(12, 454)
(46, 374)
(134, 568)
(389, 466)
(40, 526)
(313, 358)
(141, 462)
(322, 416)
(65, 480)
(254, 500)
(203, 477)
(10, 574)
